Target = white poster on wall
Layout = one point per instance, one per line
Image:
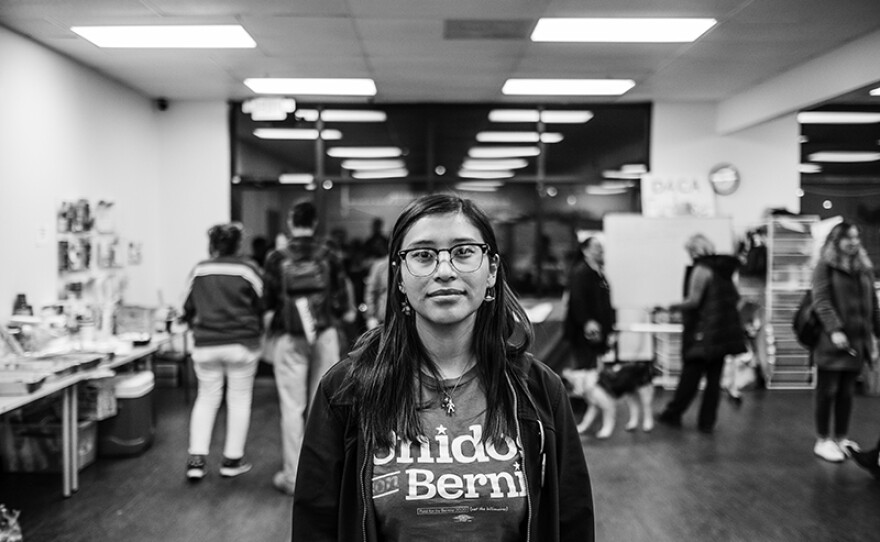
(664, 197)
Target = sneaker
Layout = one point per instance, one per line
(234, 467)
(869, 461)
(195, 468)
(282, 483)
(828, 450)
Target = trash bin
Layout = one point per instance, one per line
(131, 431)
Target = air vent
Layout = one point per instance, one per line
(487, 29)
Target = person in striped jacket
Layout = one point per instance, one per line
(223, 307)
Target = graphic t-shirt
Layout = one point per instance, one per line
(451, 486)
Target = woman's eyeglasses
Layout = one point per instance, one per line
(464, 258)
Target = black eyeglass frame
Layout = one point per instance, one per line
(484, 247)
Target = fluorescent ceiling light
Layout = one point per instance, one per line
(837, 117)
(533, 115)
(634, 168)
(380, 173)
(494, 165)
(161, 37)
(620, 174)
(484, 174)
(875, 92)
(317, 87)
(364, 152)
(617, 185)
(296, 178)
(621, 30)
(844, 156)
(372, 164)
(602, 191)
(503, 152)
(268, 108)
(518, 137)
(297, 133)
(567, 87)
(479, 186)
(342, 115)
(809, 168)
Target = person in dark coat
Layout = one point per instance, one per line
(589, 322)
(712, 329)
(846, 304)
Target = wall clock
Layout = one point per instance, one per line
(724, 179)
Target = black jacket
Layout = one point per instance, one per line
(715, 323)
(330, 492)
(589, 299)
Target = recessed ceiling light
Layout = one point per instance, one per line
(484, 174)
(317, 87)
(566, 87)
(494, 165)
(503, 152)
(533, 115)
(160, 37)
(809, 168)
(837, 117)
(621, 30)
(342, 115)
(844, 156)
(875, 92)
(518, 137)
(297, 133)
(296, 178)
(362, 164)
(380, 173)
(364, 152)
(479, 186)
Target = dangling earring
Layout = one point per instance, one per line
(404, 306)
(490, 294)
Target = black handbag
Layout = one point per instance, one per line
(806, 325)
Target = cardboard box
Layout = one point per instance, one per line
(37, 448)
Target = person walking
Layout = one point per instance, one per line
(846, 305)
(590, 318)
(440, 425)
(711, 330)
(306, 288)
(223, 307)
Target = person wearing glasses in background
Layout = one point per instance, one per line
(439, 425)
(845, 302)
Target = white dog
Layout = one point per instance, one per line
(631, 381)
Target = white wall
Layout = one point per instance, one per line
(68, 133)
(194, 188)
(684, 143)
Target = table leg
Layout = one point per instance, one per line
(66, 441)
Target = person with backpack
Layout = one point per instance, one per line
(846, 305)
(307, 290)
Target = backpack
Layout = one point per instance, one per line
(806, 325)
(308, 284)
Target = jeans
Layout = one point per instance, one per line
(237, 365)
(834, 389)
(299, 367)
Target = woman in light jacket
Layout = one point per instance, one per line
(846, 304)
(440, 426)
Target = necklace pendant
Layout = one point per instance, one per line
(447, 405)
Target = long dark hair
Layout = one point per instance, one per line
(386, 374)
(831, 248)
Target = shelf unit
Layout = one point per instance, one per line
(790, 246)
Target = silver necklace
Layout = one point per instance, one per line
(446, 403)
